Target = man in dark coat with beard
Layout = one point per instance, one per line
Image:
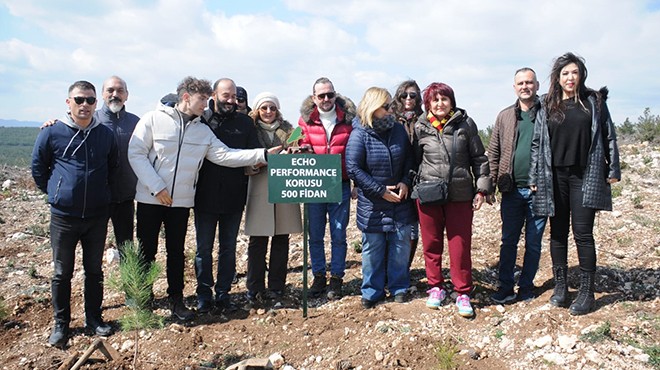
(220, 199)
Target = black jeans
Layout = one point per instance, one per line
(277, 266)
(569, 210)
(65, 233)
(150, 217)
(122, 215)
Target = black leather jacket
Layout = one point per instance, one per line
(603, 162)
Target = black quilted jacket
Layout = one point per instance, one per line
(603, 160)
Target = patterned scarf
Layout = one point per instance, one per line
(383, 124)
(439, 124)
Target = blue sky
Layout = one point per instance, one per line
(283, 46)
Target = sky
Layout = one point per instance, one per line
(283, 46)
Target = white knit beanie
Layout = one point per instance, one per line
(266, 97)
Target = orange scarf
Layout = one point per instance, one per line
(439, 124)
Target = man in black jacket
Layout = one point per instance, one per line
(220, 199)
(113, 114)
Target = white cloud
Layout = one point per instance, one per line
(471, 45)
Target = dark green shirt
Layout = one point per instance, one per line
(521, 157)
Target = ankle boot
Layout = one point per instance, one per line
(585, 299)
(560, 294)
(413, 249)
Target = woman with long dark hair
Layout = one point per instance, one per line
(407, 107)
(575, 158)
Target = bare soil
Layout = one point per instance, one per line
(622, 333)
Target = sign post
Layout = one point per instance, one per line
(304, 178)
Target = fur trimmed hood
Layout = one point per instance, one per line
(307, 108)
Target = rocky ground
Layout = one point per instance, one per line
(622, 332)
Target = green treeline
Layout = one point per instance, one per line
(16, 145)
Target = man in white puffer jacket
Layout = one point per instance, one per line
(166, 151)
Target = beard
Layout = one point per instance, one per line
(115, 106)
(225, 108)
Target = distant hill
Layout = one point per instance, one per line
(15, 123)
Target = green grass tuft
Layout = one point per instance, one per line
(446, 355)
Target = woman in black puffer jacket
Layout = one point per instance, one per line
(444, 135)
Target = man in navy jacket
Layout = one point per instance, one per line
(73, 162)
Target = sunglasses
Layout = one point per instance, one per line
(265, 108)
(80, 99)
(409, 95)
(240, 100)
(387, 106)
(330, 95)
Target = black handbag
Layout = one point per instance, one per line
(436, 191)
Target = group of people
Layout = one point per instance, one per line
(415, 173)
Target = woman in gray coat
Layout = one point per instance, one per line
(575, 158)
(263, 219)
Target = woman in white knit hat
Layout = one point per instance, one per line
(265, 220)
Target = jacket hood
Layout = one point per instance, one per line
(344, 103)
(67, 120)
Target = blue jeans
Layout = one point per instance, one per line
(228, 225)
(337, 214)
(516, 210)
(65, 233)
(378, 249)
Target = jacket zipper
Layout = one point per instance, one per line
(178, 152)
(86, 179)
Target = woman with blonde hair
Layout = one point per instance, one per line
(378, 160)
(265, 220)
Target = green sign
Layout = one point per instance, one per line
(304, 178)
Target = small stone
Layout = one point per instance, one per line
(567, 342)
(111, 256)
(261, 311)
(128, 344)
(555, 358)
(379, 356)
(177, 328)
(500, 308)
(544, 341)
(277, 360)
(642, 357)
(506, 344)
(594, 357)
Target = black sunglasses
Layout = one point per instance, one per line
(330, 95)
(240, 100)
(387, 106)
(411, 95)
(80, 99)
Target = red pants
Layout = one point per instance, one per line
(456, 218)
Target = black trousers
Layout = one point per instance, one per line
(277, 265)
(65, 233)
(122, 215)
(570, 212)
(150, 217)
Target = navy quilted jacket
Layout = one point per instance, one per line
(373, 162)
(603, 161)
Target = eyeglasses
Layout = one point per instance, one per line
(240, 100)
(409, 95)
(330, 95)
(265, 108)
(387, 106)
(80, 99)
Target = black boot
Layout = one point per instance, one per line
(179, 310)
(413, 249)
(560, 294)
(318, 286)
(585, 299)
(59, 337)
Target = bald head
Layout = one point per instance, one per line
(115, 93)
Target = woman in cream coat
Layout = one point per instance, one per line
(263, 219)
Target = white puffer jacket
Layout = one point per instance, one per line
(167, 153)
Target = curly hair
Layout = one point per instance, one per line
(192, 85)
